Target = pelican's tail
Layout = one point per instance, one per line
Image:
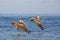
(39, 24)
(26, 30)
(42, 28)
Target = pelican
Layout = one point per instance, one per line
(36, 20)
(20, 25)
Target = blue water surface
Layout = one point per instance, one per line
(51, 30)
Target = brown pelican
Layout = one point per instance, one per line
(20, 25)
(36, 20)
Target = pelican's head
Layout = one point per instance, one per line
(37, 18)
(13, 23)
(32, 19)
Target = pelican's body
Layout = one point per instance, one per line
(36, 20)
(20, 25)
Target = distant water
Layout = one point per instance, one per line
(50, 23)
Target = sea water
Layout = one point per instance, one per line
(51, 30)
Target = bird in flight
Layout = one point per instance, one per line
(37, 21)
(20, 25)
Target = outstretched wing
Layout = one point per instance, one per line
(39, 24)
(38, 18)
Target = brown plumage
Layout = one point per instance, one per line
(20, 25)
(36, 20)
